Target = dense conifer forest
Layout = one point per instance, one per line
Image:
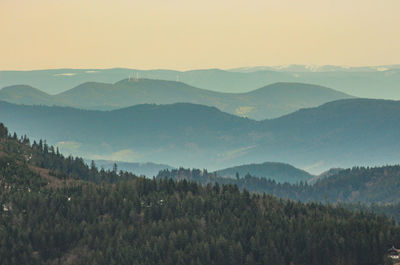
(58, 210)
(358, 184)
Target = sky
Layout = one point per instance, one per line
(188, 34)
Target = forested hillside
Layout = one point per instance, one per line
(51, 214)
(378, 185)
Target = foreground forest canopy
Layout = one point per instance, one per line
(58, 210)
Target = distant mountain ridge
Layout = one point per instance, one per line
(147, 169)
(24, 94)
(299, 68)
(370, 81)
(279, 172)
(337, 134)
(267, 102)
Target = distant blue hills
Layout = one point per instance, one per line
(341, 133)
(266, 102)
(369, 81)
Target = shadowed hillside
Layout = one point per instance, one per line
(336, 134)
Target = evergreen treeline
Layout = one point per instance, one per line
(41, 155)
(162, 221)
(379, 185)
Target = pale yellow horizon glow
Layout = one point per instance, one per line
(182, 35)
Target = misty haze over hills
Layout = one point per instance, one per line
(205, 145)
(269, 130)
(340, 133)
(147, 169)
(372, 82)
(300, 132)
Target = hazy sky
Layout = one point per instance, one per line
(187, 34)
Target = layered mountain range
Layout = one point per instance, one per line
(339, 133)
(267, 102)
(372, 82)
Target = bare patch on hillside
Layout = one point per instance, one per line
(243, 111)
(52, 181)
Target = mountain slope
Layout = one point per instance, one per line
(359, 184)
(182, 132)
(284, 98)
(266, 102)
(279, 172)
(366, 185)
(343, 132)
(336, 134)
(24, 94)
(125, 219)
(129, 92)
